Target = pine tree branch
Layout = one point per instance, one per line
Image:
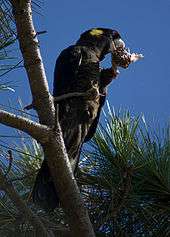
(25, 212)
(29, 46)
(39, 132)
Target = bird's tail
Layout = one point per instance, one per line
(44, 193)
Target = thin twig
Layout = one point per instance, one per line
(12, 68)
(68, 96)
(40, 32)
(92, 92)
(18, 110)
(29, 107)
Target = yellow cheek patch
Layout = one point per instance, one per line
(96, 32)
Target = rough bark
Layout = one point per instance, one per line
(54, 149)
(39, 132)
(29, 47)
(67, 188)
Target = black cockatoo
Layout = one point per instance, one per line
(78, 70)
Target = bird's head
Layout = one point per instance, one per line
(102, 40)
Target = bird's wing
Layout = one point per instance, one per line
(73, 73)
(66, 69)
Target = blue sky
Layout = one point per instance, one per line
(144, 25)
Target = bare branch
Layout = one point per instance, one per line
(21, 206)
(68, 96)
(29, 46)
(93, 92)
(36, 130)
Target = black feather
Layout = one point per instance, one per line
(77, 70)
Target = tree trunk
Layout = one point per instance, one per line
(54, 149)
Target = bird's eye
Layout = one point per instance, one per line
(119, 43)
